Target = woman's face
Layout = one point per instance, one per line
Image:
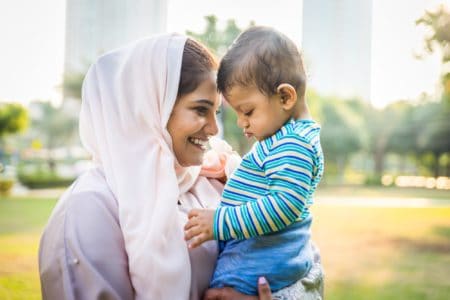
(193, 121)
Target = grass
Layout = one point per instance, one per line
(380, 191)
(21, 224)
(368, 253)
(384, 253)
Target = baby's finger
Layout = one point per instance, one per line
(192, 233)
(193, 213)
(190, 223)
(197, 241)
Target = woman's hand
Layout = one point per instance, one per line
(199, 227)
(228, 293)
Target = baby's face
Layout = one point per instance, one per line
(258, 115)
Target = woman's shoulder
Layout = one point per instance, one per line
(90, 198)
(86, 202)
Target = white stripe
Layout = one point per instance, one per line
(242, 223)
(297, 212)
(294, 140)
(280, 212)
(251, 182)
(289, 191)
(242, 192)
(255, 172)
(288, 166)
(232, 202)
(267, 217)
(255, 220)
(291, 153)
(306, 186)
(230, 226)
(289, 180)
(264, 148)
(221, 224)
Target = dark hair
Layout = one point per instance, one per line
(196, 66)
(263, 57)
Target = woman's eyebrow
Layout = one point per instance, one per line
(205, 101)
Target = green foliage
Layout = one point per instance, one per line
(13, 118)
(44, 180)
(36, 175)
(72, 84)
(372, 180)
(54, 127)
(55, 124)
(217, 40)
(6, 185)
(439, 35)
(434, 132)
(438, 39)
(352, 126)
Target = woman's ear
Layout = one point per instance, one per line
(287, 95)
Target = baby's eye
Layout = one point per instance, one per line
(249, 113)
(219, 111)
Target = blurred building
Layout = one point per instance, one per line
(336, 42)
(96, 26)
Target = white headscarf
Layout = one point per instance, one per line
(128, 96)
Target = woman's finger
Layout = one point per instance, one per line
(264, 289)
(212, 294)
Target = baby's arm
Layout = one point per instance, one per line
(289, 168)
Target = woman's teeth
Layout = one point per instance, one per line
(199, 142)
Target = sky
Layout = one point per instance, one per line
(32, 42)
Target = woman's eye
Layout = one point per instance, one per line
(249, 113)
(202, 111)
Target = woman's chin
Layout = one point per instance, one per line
(193, 161)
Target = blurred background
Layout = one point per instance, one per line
(378, 82)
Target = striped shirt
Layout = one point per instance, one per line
(274, 184)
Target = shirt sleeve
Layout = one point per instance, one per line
(289, 168)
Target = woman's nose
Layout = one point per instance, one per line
(211, 126)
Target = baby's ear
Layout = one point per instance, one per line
(287, 95)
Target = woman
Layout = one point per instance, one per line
(147, 111)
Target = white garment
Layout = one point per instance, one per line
(127, 98)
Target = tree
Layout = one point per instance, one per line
(72, 84)
(434, 136)
(341, 135)
(54, 127)
(438, 24)
(433, 132)
(217, 40)
(13, 119)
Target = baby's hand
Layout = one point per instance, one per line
(199, 228)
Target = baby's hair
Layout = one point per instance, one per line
(262, 57)
(197, 64)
